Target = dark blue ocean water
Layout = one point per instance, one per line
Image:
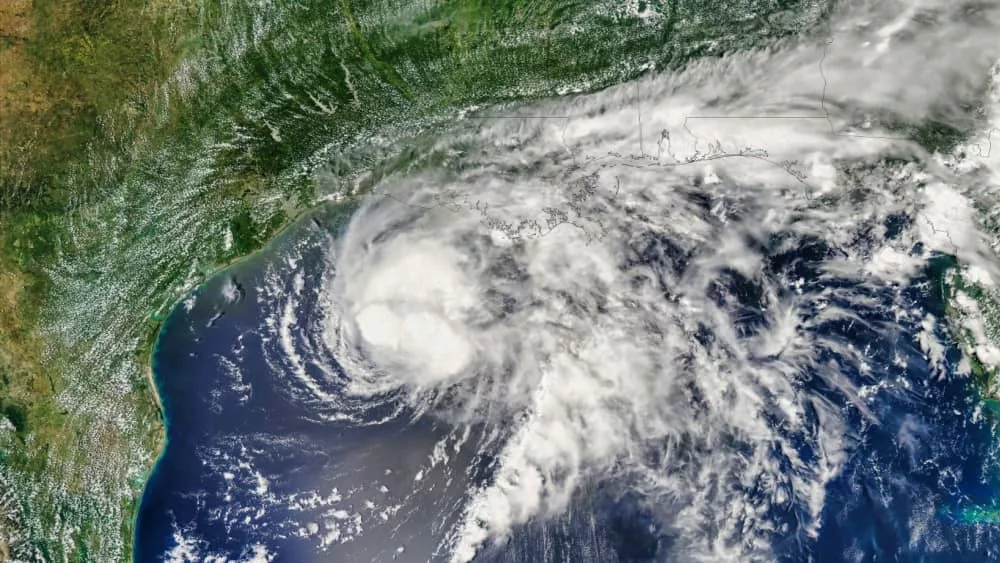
(250, 470)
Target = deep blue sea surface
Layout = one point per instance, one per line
(253, 472)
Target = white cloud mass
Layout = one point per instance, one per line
(617, 288)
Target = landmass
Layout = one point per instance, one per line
(145, 144)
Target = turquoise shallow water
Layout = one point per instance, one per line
(251, 467)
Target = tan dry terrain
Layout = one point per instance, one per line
(16, 96)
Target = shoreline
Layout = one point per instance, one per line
(161, 441)
(147, 360)
(147, 367)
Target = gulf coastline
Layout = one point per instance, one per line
(330, 219)
(325, 215)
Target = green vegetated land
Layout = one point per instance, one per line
(143, 144)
